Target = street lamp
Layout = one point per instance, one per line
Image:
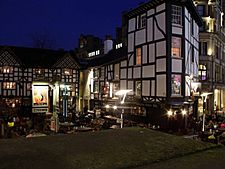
(204, 98)
(122, 93)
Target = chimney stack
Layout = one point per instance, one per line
(108, 44)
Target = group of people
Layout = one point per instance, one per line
(17, 126)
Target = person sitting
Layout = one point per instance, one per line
(222, 125)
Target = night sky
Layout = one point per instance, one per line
(59, 21)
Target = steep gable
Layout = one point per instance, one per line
(67, 61)
(7, 57)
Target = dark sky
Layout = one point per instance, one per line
(61, 21)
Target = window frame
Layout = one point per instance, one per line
(179, 86)
(202, 71)
(176, 15)
(174, 46)
(138, 56)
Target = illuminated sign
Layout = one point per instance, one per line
(39, 98)
(40, 95)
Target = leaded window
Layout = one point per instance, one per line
(176, 15)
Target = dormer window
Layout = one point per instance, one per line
(119, 45)
(94, 53)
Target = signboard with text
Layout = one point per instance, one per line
(39, 98)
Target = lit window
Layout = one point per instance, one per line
(67, 71)
(9, 85)
(176, 84)
(91, 54)
(39, 71)
(176, 47)
(202, 72)
(120, 45)
(138, 56)
(6, 69)
(97, 52)
(176, 15)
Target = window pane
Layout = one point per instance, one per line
(176, 84)
(138, 88)
(176, 47)
(176, 15)
(138, 56)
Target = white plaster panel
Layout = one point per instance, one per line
(150, 29)
(158, 34)
(131, 42)
(150, 12)
(153, 88)
(123, 73)
(161, 65)
(140, 37)
(177, 30)
(124, 63)
(131, 25)
(123, 84)
(160, 7)
(187, 29)
(131, 60)
(151, 53)
(161, 48)
(137, 72)
(130, 73)
(130, 85)
(177, 65)
(144, 56)
(146, 88)
(148, 71)
(161, 20)
(161, 86)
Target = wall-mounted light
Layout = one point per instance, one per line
(183, 112)
(169, 113)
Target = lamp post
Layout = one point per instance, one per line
(204, 98)
(122, 93)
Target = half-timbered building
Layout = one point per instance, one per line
(162, 55)
(26, 72)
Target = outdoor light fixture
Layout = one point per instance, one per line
(114, 107)
(169, 113)
(184, 112)
(122, 93)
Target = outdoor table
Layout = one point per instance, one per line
(67, 125)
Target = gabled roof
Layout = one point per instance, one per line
(7, 57)
(34, 57)
(67, 61)
(113, 56)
